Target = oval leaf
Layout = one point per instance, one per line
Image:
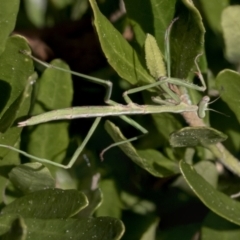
(11, 113)
(36, 12)
(9, 11)
(106, 228)
(17, 230)
(213, 11)
(150, 160)
(12, 222)
(228, 83)
(155, 18)
(15, 70)
(90, 228)
(50, 203)
(194, 136)
(215, 227)
(218, 202)
(187, 38)
(31, 177)
(231, 33)
(121, 56)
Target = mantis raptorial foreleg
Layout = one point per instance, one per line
(156, 67)
(174, 81)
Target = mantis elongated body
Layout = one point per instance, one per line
(104, 111)
(115, 109)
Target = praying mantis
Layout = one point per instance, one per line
(173, 103)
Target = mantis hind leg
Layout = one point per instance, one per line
(74, 157)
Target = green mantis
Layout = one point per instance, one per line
(172, 103)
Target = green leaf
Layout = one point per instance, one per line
(6, 223)
(64, 179)
(208, 171)
(31, 177)
(10, 160)
(139, 34)
(17, 231)
(194, 136)
(150, 160)
(145, 222)
(111, 205)
(150, 233)
(79, 8)
(8, 15)
(205, 169)
(218, 202)
(61, 229)
(118, 51)
(50, 203)
(15, 71)
(154, 58)
(91, 228)
(157, 164)
(187, 38)
(95, 199)
(228, 124)
(169, 122)
(228, 83)
(213, 11)
(155, 18)
(11, 113)
(50, 140)
(36, 11)
(215, 227)
(89, 174)
(231, 33)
